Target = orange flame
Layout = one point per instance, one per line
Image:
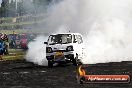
(81, 71)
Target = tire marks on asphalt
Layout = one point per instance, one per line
(22, 72)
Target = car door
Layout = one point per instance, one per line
(79, 47)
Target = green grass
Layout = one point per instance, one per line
(22, 23)
(10, 18)
(17, 31)
(6, 19)
(15, 54)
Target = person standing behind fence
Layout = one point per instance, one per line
(6, 44)
(1, 48)
(14, 39)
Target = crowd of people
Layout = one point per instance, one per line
(14, 41)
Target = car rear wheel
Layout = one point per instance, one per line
(76, 62)
(50, 64)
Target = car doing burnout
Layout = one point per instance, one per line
(66, 47)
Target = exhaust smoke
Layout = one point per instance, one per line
(105, 25)
(37, 51)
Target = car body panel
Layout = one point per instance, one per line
(60, 46)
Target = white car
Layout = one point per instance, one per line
(64, 47)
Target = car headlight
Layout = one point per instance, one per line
(69, 48)
(49, 50)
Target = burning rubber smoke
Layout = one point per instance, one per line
(37, 51)
(106, 26)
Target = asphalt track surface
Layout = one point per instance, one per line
(22, 74)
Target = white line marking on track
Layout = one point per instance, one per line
(6, 73)
(24, 72)
(43, 71)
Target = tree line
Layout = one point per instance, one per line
(13, 8)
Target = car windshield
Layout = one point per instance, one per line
(60, 39)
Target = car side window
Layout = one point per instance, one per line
(74, 39)
(79, 39)
(51, 39)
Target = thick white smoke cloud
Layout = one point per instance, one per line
(105, 25)
(82, 14)
(37, 51)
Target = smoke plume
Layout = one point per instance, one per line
(37, 51)
(104, 24)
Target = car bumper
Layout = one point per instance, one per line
(65, 57)
(64, 53)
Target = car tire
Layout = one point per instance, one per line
(74, 61)
(50, 64)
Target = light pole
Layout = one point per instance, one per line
(16, 2)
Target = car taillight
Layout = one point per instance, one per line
(69, 48)
(49, 50)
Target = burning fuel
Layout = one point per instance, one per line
(81, 71)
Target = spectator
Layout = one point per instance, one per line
(6, 44)
(1, 49)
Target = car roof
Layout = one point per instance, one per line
(67, 33)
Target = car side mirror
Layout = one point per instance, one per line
(45, 42)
